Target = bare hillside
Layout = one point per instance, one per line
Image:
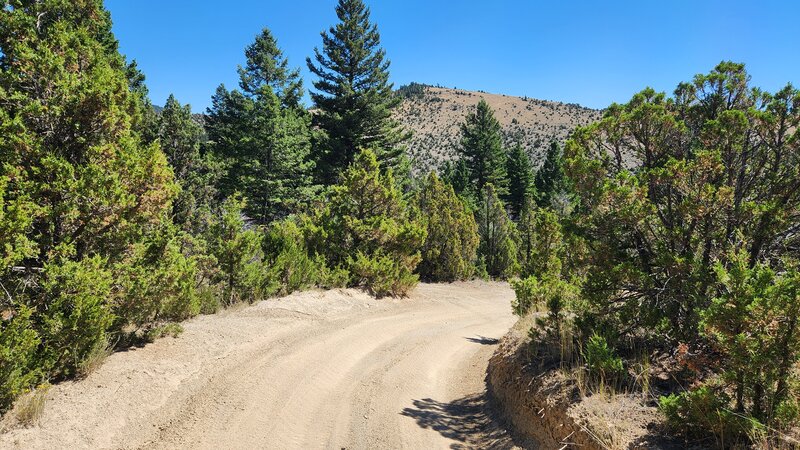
(435, 115)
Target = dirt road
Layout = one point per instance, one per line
(314, 370)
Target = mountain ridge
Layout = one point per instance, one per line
(434, 115)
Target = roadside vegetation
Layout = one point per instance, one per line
(676, 259)
(661, 240)
(118, 220)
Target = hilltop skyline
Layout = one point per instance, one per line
(521, 49)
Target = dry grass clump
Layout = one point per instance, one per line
(29, 408)
(95, 359)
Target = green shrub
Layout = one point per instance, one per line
(78, 313)
(19, 368)
(290, 266)
(237, 250)
(169, 329)
(601, 359)
(451, 245)
(383, 274)
(158, 283)
(365, 229)
(551, 292)
(528, 295)
(335, 277)
(542, 246)
(704, 410)
(209, 300)
(754, 326)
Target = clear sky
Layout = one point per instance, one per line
(588, 52)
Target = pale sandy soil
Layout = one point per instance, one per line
(314, 370)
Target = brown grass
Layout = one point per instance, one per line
(29, 408)
(95, 359)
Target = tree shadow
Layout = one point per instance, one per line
(467, 420)
(483, 340)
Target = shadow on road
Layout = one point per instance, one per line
(483, 340)
(467, 420)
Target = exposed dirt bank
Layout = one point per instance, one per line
(547, 406)
(314, 370)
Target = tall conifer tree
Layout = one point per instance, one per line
(181, 138)
(550, 180)
(354, 97)
(520, 179)
(450, 248)
(262, 134)
(78, 187)
(482, 149)
(498, 246)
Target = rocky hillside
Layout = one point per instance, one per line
(435, 115)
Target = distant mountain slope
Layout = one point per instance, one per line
(435, 115)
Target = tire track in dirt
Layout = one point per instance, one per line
(331, 369)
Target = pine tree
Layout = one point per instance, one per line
(520, 179)
(262, 135)
(354, 97)
(267, 69)
(498, 247)
(550, 180)
(450, 249)
(180, 137)
(482, 149)
(456, 174)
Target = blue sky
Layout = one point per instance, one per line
(587, 52)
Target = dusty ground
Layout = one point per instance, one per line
(314, 370)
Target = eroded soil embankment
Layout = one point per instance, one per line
(547, 405)
(535, 405)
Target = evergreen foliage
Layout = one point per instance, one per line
(238, 253)
(520, 179)
(450, 249)
(456, 174)
(550, 181)
(353, 95)
(78, 314)
(688, 209)
(261, 134)
(366, 228)
(181, 137)
(541, 244)
(290, 265)
(482, 150)
(755, 326)
(672, 224)
(160, 281)
(498, 245)
(80, 188)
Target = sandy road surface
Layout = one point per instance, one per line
(314, 370)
